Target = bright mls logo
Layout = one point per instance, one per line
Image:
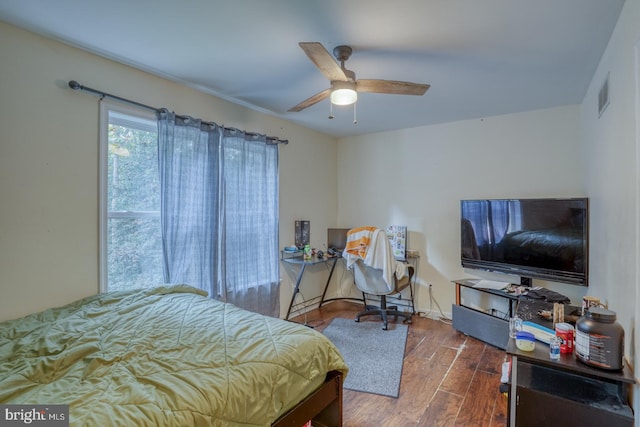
(35, 415)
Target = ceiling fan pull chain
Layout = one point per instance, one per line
(330, 110)
(355, 120)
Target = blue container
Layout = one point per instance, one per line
(525, 341)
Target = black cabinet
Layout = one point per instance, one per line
(565, 392)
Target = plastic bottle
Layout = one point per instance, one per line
(600, 339)
(307, 252)
(554, 348)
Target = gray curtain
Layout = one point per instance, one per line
(219, 211)
(248, 243)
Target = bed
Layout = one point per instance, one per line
(170, 356)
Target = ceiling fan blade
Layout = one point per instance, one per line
(391, 86)
(323, 60)
(311, 101)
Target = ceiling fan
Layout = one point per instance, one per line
(344, 86)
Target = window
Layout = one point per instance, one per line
(219, 197)
(130, 234)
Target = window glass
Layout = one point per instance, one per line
(131, 242)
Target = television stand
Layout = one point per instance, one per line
(484, 326)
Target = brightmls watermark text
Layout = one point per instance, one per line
(34, 415)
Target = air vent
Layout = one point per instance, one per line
(603, 96)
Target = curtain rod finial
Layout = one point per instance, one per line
(74, 85)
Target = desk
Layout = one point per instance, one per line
(303, 263)
(297, 259)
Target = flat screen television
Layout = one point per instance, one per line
(532, 238)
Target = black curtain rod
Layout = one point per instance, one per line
(77, 86)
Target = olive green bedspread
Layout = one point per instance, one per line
(165, 356)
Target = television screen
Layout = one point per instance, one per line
(532, 238)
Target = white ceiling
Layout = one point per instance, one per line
(481, 58)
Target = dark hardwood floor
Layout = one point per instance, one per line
(448, 378)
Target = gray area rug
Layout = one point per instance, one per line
(374, 356)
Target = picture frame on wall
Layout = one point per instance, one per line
(302, 233)
(397, 235)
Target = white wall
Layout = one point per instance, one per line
(417, 177)
(612, 162)
(49, 166)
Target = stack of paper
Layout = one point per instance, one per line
(491, 284)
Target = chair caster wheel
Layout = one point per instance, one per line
(356, 320)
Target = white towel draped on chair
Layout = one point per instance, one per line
(371, 245)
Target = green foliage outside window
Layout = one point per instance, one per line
(134, 236)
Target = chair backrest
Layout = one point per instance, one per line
(371, 281)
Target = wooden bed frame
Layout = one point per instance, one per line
(323, 407)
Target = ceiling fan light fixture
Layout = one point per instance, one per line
(343, 93)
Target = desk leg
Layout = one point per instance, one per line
(295, 290)
(413, 304)
(326, 286)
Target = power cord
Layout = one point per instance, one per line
(432, 301)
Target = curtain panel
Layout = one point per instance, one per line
(219, 211)
(248, 230)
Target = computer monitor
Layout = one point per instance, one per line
(337, 238)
